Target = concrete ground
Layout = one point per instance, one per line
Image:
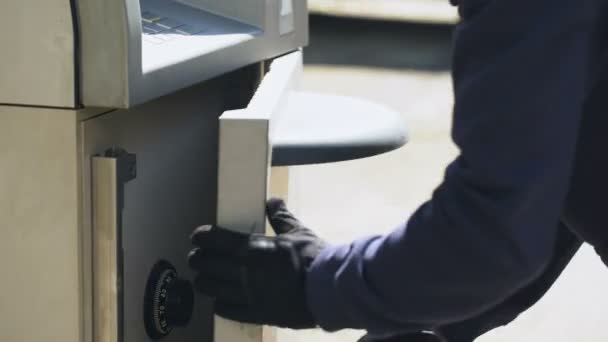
(407, 68)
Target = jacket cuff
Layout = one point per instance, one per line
(324, 301)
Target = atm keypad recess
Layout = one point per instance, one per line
(158, 29)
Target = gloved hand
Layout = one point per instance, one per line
(424, 336)
(255, 278)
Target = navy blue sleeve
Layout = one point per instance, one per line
(566, 246)
(520, 74)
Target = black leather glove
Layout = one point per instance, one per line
(424, 336)
(255, 278)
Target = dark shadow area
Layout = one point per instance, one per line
(360, 42)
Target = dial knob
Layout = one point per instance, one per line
(180, 300)
(168, 301)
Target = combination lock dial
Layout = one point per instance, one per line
(168, 301)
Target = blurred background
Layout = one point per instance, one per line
(397, 52)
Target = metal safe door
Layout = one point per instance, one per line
(157, 172)
(145, 203)
(245, 148)
(245, 154)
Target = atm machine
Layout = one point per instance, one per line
(125, 124)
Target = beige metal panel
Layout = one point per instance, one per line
(37, 53)
(85, 219)
(245, 150)
(40, 293)
(110, 49)
(105, 249)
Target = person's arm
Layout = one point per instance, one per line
(566, 246)
(520, 73)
